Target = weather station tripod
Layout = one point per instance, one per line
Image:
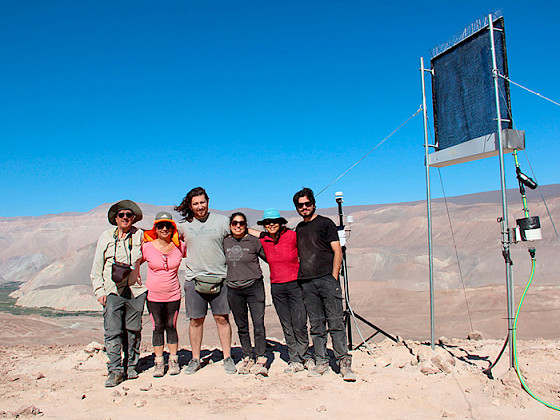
(349, 314)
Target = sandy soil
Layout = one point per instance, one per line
(44, 368)
(67, 382)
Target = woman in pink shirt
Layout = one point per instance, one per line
(280, 247)
(163, 251)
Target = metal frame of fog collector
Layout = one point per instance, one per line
(472, 121)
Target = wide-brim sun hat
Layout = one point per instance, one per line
(124, 205)
(162, 216)
(272, 214)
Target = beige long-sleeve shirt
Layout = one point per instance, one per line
(101, 280)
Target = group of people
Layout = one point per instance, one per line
(223, 272)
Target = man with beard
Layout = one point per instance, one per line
(320, 257)
(204, 233)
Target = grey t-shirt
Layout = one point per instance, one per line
(205, 254)
(242, 256)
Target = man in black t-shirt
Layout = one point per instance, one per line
(320, 257)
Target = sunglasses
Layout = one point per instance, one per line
(165, 265)
(239, 223)
(306, 204)
(124, 214)
(271, 222)
(162, 225)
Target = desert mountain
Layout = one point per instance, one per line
(51, 255)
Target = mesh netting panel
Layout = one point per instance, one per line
(463, 88)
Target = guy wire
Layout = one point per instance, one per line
(368, 153)
(453, 239)
(364, 341)
(529, 162)
(455, 247)
(528, 90)
(542, 197)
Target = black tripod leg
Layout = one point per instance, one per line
(348, 313)
(365, 321)
(348, 323)
(366, 340)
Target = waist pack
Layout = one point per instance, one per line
(208, 285)
(120, 271)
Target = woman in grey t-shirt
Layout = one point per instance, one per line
(246, 292)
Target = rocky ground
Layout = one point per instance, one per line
(50, 368)
(395, 380)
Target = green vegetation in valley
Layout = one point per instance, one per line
(8, 304)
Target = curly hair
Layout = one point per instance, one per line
(185, 207)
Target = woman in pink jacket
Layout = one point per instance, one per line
(280, 247)
(163, 251)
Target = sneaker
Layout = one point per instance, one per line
(174, 368)
(114, 379)
(132, 373)
(294, 367)
(318, 370)
(245, 365)
(192, 367)
(346, 370)
(229, 366)
(159, 368)
(309, 364)
(260, 367)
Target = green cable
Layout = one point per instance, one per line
(517, 370)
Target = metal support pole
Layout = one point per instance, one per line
(348, 312)
(429, 205)
(506, 240)
(344, 272)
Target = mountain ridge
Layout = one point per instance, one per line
(52, 255)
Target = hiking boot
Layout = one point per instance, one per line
(294, 367)
(318, 370)
(132, 373)
(229, 366)
(159, 368)
(260, 367)
(192, 367)
(346, 370)
(309, 364)
(114, 379)
(174, 368)
(245, 365)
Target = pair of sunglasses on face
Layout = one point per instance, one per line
(123, 214)
(162, 225)
(239, 223)
(307, 204)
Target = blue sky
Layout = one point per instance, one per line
(102, 101)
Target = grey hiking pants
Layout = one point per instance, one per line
(122, 320)
(323, 301)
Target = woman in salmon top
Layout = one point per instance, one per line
(163, 252)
